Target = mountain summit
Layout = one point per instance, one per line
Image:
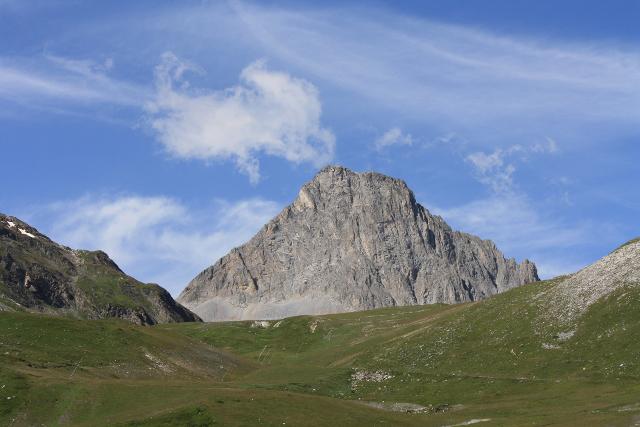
(351, 241)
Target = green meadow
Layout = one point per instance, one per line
(496, 362)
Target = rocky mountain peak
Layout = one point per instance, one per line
(351, 241)
(336, 188)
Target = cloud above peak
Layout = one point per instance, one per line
(393, 136)
(268, 112)
(491, 170)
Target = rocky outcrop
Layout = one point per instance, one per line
(574, 294)
(351, 241)
(37, 274)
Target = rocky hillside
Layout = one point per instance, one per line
(351, 241)
(37, 274)
(576, 293)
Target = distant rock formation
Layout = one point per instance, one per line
(37, 274)
(351, 241)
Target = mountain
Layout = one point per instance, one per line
(504, 361)
(38, 274)
(351, 241)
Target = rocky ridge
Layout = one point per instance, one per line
(351, 241)
(38, 274)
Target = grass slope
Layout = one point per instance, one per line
(108, 285)
(498, 362)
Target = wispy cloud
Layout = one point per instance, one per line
(269, 112)
(448, 77)
(492, 89)
(496, 169)
(158, 239)
(519, 227)
(454, 77)
(516, 223)
(53, 80)
(393, 136)
(491, 170)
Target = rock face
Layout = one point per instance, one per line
(37, 274)
(351, 241)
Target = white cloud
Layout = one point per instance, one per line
(496, 169)
(268, 112)
(550, 146)
(491, 170)
(486, 162)
(158, 239)
(393, 136)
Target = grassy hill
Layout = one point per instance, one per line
(500, 359)
(503, 361)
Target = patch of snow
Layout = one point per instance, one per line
(26, 233)
(11, 224)
(550, 346)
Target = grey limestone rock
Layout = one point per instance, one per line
(351, 241)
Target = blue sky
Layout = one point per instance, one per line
(166, 133)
